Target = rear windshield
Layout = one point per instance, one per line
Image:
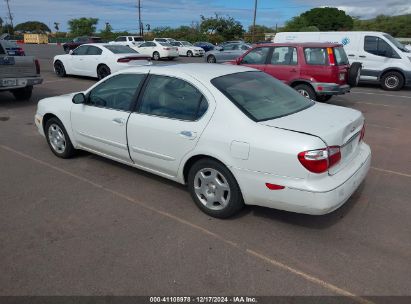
(340, 56)
(138, 39)
(97, 40)
(260, 96)
(315, 56)
(119, 49)
(165, 44)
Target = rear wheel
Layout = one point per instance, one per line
(306, 91)
(211, 59)
(392, 81)
(59, 69)
(58, 139)
(103, 71)
(189, 54)
(23, 93)
(324, 98)
(214, 189)
(156, 56)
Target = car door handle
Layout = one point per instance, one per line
(351, 55)
(188, 134)
(362, 56)
(119, 121)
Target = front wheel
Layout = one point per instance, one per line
(189, 54)
(156, 56)
(306, 91)
(392, 81)
(58, 139)
(59, 69)
(211, 59)
(23, 93)
(214, 189)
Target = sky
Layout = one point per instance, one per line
(122, 14)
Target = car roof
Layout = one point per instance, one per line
(200, 71)
(304, 44)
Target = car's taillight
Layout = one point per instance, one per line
(319, 161)
(331, 56)
(128, 59)
(167, 49)
(37, 66)
(362, 134)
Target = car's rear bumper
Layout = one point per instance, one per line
(312, 196)
(324, 88)
(21, 82)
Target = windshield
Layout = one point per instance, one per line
(260, 96)
(186, 43)
(119, 49)
(398, 44)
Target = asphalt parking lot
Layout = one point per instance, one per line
(90, 226)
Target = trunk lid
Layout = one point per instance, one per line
(336, 126)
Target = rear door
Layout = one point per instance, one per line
(283, 64)
(168, 122)
(93, 58)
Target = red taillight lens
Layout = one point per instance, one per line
(319, 161)
(37, 66)
(331, 56)
(167, 49)
(362, 134)
(128, 59)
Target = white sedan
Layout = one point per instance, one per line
(185, 48)
(158, 50)
(233, 134)
(98, 60)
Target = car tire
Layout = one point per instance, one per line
(103, 71)
(323, 98)
(156, 56)
(221, 197)
(171, 58)
(59, 69)
(23, 93)
(392, 81)
(306, 90)
(58, 139)
(189, 54)
(211, 59)
(354, 74)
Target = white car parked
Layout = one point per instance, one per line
(185, 48)
(158, 50)
(168, 40)
(131, 41)
(233, 134)
(98, 60)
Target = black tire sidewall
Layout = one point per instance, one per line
(23, 93)
(189, 54)
(62, 67)
(400, 83)
(154, 56)
(353, 72)
(236, 202)
(69, 151)
(103, 66)
(308, 89)
(211, 56)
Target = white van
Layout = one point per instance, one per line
(383, 58)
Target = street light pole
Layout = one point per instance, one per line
(255, 15)
(139, 17)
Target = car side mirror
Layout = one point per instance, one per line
(79, 98)
(71, 52)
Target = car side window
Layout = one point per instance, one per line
(81, 50)
(256, 56)
(152, 44)
(284, 55)
(315, 56)
(117, 92)
(379, 47)
(93, 50)
(172, 98)
(121, 39)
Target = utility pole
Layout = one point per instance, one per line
(10, 15)
(255, 15)
(139, 18)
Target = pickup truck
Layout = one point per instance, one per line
(18, 74)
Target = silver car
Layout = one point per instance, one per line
(228, 52)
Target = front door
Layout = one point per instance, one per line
(100, 124)
(168, 122)
(257, 58)
(78, 58)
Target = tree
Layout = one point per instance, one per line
(32, 27)
(323, 18)
(107, 33)
(397, 26)
(226, 27)
(82, 26)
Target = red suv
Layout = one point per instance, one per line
(316, 70)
